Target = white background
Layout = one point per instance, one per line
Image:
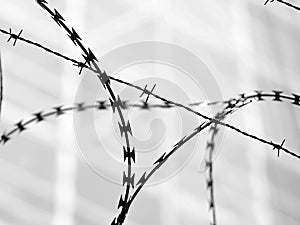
(246, 46)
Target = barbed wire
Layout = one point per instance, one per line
(104, 105)
(125, 127)
(231, 105)
(168, 103)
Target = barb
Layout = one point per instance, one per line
(14, 36)
(278, 147)
(74, 36)
(144, 92)
(268, 1)
(4, 138)
(57, 17)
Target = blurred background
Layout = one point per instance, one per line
(44, 175)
